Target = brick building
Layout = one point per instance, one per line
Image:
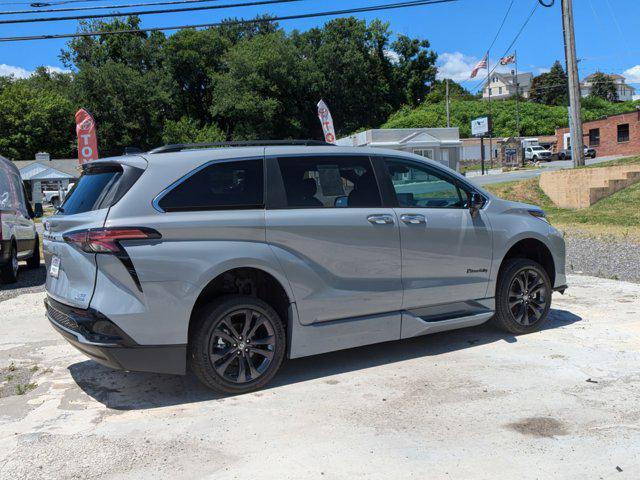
(614, 135)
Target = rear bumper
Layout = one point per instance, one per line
(116, 350)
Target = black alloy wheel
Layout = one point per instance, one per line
(523, 296)
(237, 345)
(528, 297)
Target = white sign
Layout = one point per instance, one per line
(327, 122)
(480, 126)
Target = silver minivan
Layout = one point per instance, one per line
(227, 260)
(18, 236)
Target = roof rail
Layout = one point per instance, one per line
(240, 143)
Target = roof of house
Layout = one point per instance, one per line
(613, 76)
(389, 137)
(524, 79)
(48, 170)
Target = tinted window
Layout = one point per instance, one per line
(328, 182)
(219, 186)
(423, 187)
(95, 189)
(594, 137)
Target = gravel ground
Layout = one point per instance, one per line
(29, 281)
(601, 258)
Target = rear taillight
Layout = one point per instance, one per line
(107, 240)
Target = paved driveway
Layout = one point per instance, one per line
(475, 403)
(526, 174)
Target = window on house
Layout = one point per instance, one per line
(499, 90)
(424, 152)
(623, 132)
(594, 137)
(490, 91)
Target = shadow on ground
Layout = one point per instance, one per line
(132, 391)
(29, 280)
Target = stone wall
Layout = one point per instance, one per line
(583, 187)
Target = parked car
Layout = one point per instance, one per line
(227, 260)
(588, 153)
(18, 237)
(56, 197)
(536, 153)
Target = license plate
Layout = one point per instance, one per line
(54, 269)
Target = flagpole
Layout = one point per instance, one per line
(490, 121)
(515, 52)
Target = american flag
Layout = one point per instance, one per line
(482, 64)
(508, 59)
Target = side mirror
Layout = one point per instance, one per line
(476, 202)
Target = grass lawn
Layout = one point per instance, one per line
(616, 216)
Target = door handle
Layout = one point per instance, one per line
(380, 219)
(412, 219)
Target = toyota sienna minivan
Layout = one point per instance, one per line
(225, 259)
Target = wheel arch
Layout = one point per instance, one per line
(250, 281)
(533, 249)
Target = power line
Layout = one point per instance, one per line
(504, 19)
(143, 12)
(100, 7)
(390, 6)
(513, 42)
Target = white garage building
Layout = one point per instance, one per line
(440, 144)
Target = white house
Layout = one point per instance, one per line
(440, 144)
(625, 92)
(47, 173)
(503, 85)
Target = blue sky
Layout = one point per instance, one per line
(459, 32)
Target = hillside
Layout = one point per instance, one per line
(535, 118)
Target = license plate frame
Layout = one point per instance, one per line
(54, 268)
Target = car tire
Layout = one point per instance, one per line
(9, 273)
(523, 296)
(223, 352)
(55, 202)
(562, 156)
(34, 260)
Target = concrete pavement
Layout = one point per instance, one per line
(475, 403)
(526, 174)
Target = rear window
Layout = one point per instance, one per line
(219, 186)
(96, 189)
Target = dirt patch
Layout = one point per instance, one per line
(544, 427)
(17, 379)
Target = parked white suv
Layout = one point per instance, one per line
(18, 236)
(536, 153)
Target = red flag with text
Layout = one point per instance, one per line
(87, 139)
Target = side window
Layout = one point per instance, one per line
(329, 182)
(420, 186)
(219, 186)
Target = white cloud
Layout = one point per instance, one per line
(392, 56)
(632, 74)
(19, 72)
(541, 70)
(457, 66)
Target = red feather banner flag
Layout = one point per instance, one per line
(87, 138)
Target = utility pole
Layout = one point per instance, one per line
(577, 148)
(517, 82)
(490, 132)
(447, 100)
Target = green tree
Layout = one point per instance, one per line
(604, 87)
(186, 130)
(416, 69)
(550, 88)
(438, 92)
(34, 118)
